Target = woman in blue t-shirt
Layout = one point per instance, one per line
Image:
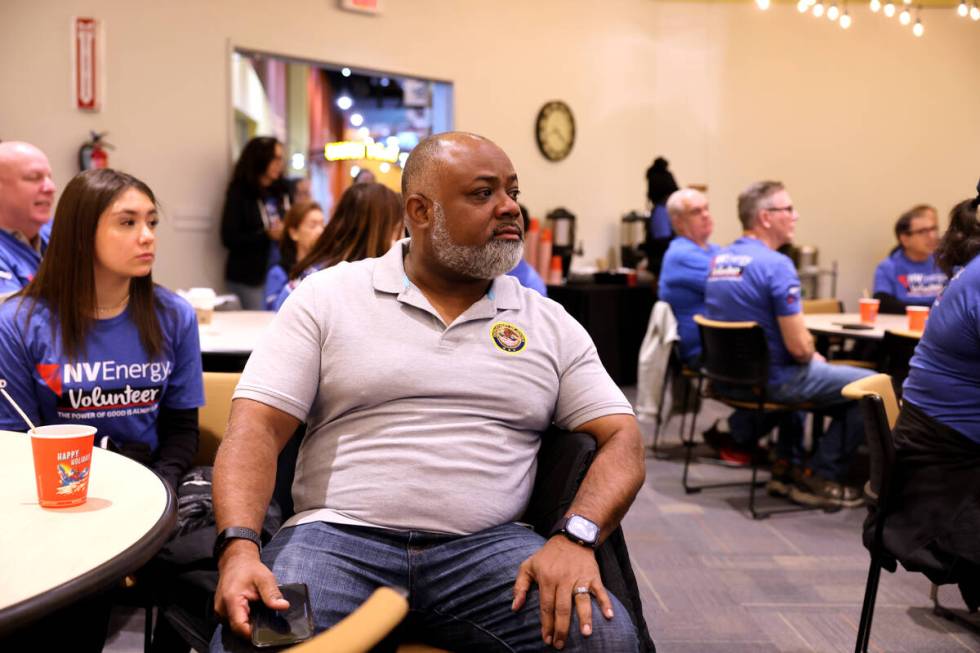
(367, 220)
(935, 521)
(91, 340)
(910, 276)
(301, 227)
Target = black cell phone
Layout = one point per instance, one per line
(855, 326)
(279, 628)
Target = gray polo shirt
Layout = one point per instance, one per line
(412, 424)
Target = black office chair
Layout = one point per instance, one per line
(678, 376)
(879, 407)
(735, 354)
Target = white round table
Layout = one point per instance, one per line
(50, 558)
(831, 324)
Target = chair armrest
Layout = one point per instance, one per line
(362, 629)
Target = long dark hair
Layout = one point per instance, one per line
(961, 242)
(294, 218)
(361, 227)
(65, 281)
(252, 164)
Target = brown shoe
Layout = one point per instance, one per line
(812, 490)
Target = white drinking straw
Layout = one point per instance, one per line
(19, 411)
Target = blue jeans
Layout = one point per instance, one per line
(818, 383)
(460, 587)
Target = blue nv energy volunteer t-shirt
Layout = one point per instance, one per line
(18, 262)
(750, 282)
(113, 385)
(682, 285)
(944, 379)
(911, 282)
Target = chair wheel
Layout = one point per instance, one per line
(692, 490)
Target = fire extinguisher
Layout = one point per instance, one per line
(94, 153)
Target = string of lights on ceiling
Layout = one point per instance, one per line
(841, 15)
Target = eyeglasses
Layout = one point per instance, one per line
(781, 208)
(923, 231)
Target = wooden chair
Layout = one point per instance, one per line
(736, 354)
(880, 410)
(213, 416)
(821, 306)
(364, 628)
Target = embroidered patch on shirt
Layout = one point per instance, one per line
(508, 337)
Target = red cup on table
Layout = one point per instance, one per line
(869, 309)
(917, 317)
(62, 463)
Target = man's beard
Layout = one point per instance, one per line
(476, 262)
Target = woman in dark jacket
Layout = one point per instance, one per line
(251, 223)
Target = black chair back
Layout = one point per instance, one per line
(896, 352)
(734, 353)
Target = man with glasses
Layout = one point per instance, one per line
(909, 276)
(751, 281)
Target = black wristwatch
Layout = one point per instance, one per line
(235, 533)
(579, 530)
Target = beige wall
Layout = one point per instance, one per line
(859, 124)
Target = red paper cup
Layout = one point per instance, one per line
(917, 317)
(869, 309)
(62, 463)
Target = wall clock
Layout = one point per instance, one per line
(555, 130)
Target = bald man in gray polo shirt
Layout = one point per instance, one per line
(425, 378)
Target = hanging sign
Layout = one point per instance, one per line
(85, 55)
(355, 151)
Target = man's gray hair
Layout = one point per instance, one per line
(678, 200)
(752, 198)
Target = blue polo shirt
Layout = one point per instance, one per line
(529, 277)
(912, 282)
(944, 379)
(682, 284)
(113, 385)
(750, 282)
(18, 262)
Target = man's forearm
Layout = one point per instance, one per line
(615, 476)
(245, 471)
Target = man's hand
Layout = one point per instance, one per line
(242, 578)
(559, 567)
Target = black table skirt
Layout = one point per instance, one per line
(615, 316)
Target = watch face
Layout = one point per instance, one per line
(582, 528)
(555, 130)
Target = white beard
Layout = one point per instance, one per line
(487, 261)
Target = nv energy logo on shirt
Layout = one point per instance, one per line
(107, 387)
(727, 267)
(918, 284)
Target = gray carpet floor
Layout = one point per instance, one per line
(715, 581)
